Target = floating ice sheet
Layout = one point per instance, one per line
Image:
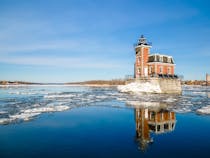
(34, 101)
(204, 110)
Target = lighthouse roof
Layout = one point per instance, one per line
(160, 58)
(143, 41)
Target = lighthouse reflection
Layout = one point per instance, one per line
(152, 118)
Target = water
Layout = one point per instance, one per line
(67, 121)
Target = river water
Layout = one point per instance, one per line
(76, 121)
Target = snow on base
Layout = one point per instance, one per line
(204, 110)
(136, 87)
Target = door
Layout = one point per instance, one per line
(146, 71)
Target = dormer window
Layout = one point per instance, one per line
(161, 59)
(169, 60)
(169, 70)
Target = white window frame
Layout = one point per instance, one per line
(161, 69)
(169, 70)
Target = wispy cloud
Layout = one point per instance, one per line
(65, 62)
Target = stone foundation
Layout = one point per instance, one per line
(167, 85)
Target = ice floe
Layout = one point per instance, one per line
(136, 87)
(23, 116)
(204, 110)
(29, 114)
(5, 121)
(47, 109)
(181, 110)
(34, 101)
(59, 96)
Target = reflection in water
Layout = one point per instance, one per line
(208, 94)
(154, 119)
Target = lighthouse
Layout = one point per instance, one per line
(153, 73)
(151, 65)
(142, 49)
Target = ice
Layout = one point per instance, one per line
(22, 93)
(136, 87)
(182, 110)
(47, 109)
(204, 110)
(142, 104)
(170, 100)
(208, 94)
(29, 114)
(5, 121)
(2, 112)
(36, 100)
(23, 116)
(59, 96)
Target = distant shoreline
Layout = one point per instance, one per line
(91, 83)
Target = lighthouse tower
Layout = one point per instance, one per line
(142, 49)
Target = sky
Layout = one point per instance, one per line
(79, 40)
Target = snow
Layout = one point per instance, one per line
(204, 110)
(135, 87)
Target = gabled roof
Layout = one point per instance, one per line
(160, 58)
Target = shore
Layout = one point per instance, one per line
(91, 83)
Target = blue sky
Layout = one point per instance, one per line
(78, 40)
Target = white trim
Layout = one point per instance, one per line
(151, 63)
(161, 69)
(155, 68)
(142, 61)
(142, 46)
(160, 55)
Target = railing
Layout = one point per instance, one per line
(166, 76)
(138, 44)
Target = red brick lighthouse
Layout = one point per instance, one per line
(154, 65)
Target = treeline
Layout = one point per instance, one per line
(101, 82)
(195, 82)
(15, 82)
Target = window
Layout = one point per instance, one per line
(139, 59)
(152, 127)
(169, 60)
(150, 69)
(152, 116)
(139, 70)
(161, 70)
(166, 126)
(169, 70)
(161, 59)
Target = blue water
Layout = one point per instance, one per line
(101, 122)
